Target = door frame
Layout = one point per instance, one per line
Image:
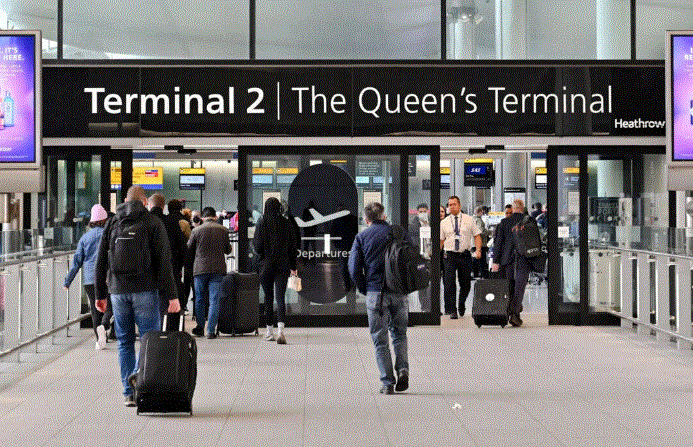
(581, 315)
(417, 318)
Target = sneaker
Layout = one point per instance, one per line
(402, 380)
(387, 389)
(110, 334)
(100, 336)
(211, 336)
(198, 331)
(130, 401)
(453, 316)
(96, 346)
(281, 340)
(269, 336)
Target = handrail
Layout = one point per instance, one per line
(36, 258)
(648, 325)
(644, 252)
(44, 335)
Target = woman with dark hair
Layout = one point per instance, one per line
(276, 248)
(85, 258)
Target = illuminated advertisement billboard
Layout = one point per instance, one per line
(20, 120)
(680, 96)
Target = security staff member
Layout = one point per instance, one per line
(456, 233)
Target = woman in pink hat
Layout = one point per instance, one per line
(85, 258)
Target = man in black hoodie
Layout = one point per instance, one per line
(134, 254)
(177, 242)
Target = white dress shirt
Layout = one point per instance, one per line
(467, 229)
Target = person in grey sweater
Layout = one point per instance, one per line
(208, 243)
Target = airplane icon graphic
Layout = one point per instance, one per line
(319, 218)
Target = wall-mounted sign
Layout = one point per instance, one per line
(191, 178)
(540, 178)
(383, 100)
(478, 174)
(146, 177)
(20, 105)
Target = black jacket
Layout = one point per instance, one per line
(285, 255)
(176, 239)
(159, 277)
(503, 242)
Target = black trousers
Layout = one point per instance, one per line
(460, 265)
(517, 274)
(274, 279)
(97, 317)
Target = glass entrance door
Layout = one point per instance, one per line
(323, 191)
(600, 198)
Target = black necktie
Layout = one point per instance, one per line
(457, 233)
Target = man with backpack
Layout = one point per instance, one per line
(134, 254)
(386, 309)
(514, 264)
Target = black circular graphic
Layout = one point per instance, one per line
(323, 201)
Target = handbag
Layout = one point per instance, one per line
(294, 283)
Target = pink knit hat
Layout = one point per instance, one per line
(98, 213)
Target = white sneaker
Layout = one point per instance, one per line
(269, 336)
(100, 337)
(96, 346)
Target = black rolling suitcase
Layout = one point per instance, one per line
(490, 305)
(165, 379)
(239, 306)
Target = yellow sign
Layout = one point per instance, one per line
(146, 177)
(116, 176)
(191, 171)
(263, 171)
(571, 170)
(338, 161)
(540, 171)
(287, 170)
(445, 170)
(478, 160)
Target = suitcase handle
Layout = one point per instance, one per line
(180, 324)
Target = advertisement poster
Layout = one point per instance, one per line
(17, 99)
(682, 97)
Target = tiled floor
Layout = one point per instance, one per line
(529, 386)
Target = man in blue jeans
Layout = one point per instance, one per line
(134, 254)
(208, 243)
(386, 310)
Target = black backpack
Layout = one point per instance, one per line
(527, 238)
(128, 247)
(405, 269)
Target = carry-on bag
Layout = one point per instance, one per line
(239, 304)
(165, 379)
(490, 305)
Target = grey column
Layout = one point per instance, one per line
(511, 29)
(613, 18)
(610, 178)
(515, 171)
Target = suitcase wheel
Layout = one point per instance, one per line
(502, 326)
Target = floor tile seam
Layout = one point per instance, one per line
(643, 343)
(55, 357)
(455, 413)
(364, 371)
(238, 391)
(499, 385)
(84, 410)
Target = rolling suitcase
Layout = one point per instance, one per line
(165, 379)
(490, 305)
(239, 304)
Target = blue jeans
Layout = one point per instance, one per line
(130, 309)
(207, 288)
(395, 317)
